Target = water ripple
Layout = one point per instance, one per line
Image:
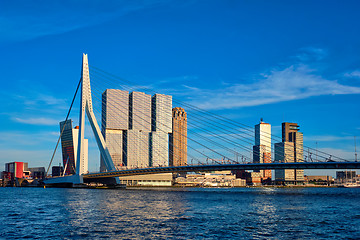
(243, 213)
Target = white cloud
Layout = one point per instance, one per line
(347, 155)
(328, 138)
(355, 73)
(51, 100)
(311, 54)
(176, 79)
(30, 21)
(294, 82)
(37, 121)
(36, 99)
(191, 88)
(22, 138)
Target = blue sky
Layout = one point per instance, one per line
(293, 61)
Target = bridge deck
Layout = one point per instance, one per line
(220, 167)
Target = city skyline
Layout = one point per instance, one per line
(221, 63)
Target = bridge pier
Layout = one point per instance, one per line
(66, 181)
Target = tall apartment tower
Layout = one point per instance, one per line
(262, 148)
(136, 139)
(69, 145)
(290, 150)
(161, 127)
(178, 138)
(114, 122)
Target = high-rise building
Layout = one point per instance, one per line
(115, 109)
(136, 139)
(161, 126)
(161, 113)
(136, 128)
(288, 129)
(136, 148)
(284, 152)
(178, 138)
(69, 144)
(140, 111)
(114, 121)
(290, 150)
(262, 148)
(159, 149)
(114, 143)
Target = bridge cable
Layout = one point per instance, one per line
(223, 137)
(63, 128)
(216, 116)
(143, 125)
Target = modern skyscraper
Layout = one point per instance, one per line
(284, 152)
(136, 128)
(161, 126)
(69, 144)
(159, 149)
(136, 139)
(140, 111)
(136, 148)
(262, 148)
(161, 113)
(290, 150)
(178, 138)
(114, 121)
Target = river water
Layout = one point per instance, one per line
(190, 213)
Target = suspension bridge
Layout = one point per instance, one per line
(135, 144)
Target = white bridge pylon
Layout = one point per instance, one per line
(86, 107)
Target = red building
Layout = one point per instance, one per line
(14, 170)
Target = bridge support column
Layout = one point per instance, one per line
(86, 107)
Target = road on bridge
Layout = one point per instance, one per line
(220, 167)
